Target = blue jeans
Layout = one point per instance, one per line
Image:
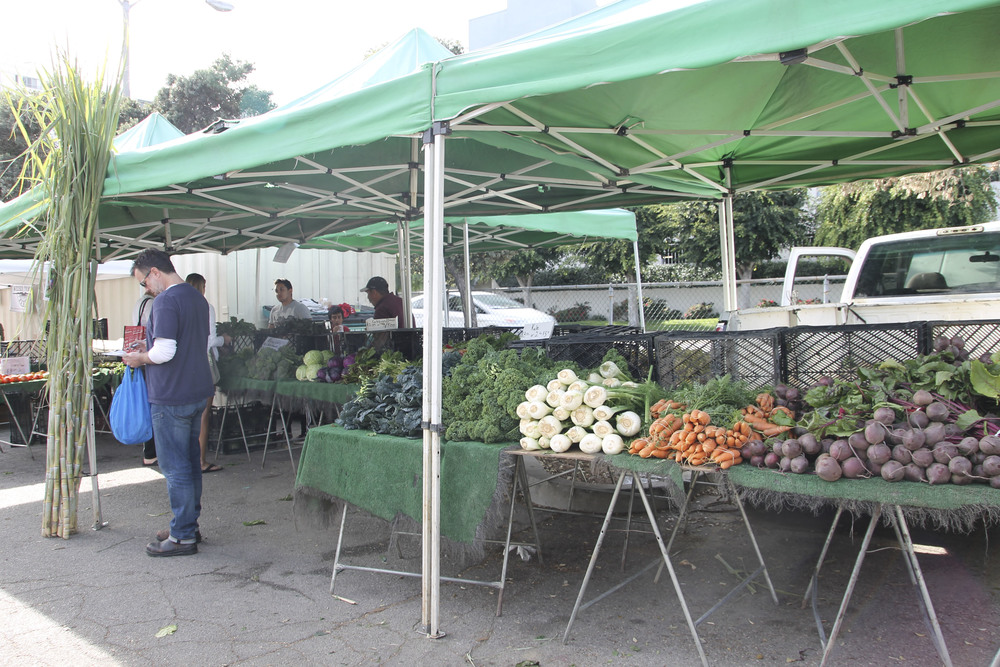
(175, 430)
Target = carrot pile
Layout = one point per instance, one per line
(760, 417)
(692, 439)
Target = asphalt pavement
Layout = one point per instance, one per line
(257, 592)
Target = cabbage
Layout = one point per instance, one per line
(300, 372)
(313, 358)
(334, 362)
(311, 370)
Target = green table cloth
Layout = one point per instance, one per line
(946, 506)
(300, 396)
(382, 475)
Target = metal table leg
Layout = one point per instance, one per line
(917, 579)
(284, 430)
(828, 646)
(663, 553)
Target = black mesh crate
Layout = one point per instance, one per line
(980, 337)
(838, 351)
(588, 351)
(754, 357)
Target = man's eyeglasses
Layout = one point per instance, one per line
(142, 283)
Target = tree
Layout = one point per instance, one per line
(255, 101)
(132, 112)
(193, 103)
(850, 213)
(763, 224)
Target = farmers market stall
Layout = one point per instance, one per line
(819, 96)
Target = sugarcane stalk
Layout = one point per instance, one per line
(69, 162)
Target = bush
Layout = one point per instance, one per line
(577, 313)
(659, 309)
(700, 311)
(679, 273)
(822, 266)
(767, 303)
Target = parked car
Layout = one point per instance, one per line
(492, 310)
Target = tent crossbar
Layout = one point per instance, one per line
(461, 119)
(779, 179)
(562, 138)
(952, 78)
(650, 166)
(815, 111)
(876, 93)
(378, 195)
(230, 204)
(676, 163)
(836, 68)
(947, 120)
(940, 131)
(277, 173)
(500, 194)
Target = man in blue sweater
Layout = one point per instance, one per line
(179, 382)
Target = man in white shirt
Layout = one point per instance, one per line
(289, 307)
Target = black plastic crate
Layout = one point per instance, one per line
(838, 351)
(588, 351)
(981, 336)
(753, 357)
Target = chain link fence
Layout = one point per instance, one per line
(687, 306)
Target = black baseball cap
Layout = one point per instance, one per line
(378, 283)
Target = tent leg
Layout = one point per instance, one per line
(638, 286)
(434, 268)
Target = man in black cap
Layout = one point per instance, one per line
(386, 304)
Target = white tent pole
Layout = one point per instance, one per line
(406, 268)
(468, 278)
(434, 265)
(727, 240)
(429, 318)
(638, 285)
(403, 250)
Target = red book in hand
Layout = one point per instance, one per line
(133, 334)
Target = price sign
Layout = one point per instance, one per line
(381, 324)
(15, 366)
(537, 330)
(19, 298)
(274, 343)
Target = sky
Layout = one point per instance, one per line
(295, 45)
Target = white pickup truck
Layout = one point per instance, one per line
(950, 274)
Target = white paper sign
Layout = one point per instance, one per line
(381, 324)
(15, 365)
(19, 298)
(274, 343)
(537, 330)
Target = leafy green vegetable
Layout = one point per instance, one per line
(722, 398)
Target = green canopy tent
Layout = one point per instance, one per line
(724, 97)
(488, 233)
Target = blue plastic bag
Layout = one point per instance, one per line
(131, 423)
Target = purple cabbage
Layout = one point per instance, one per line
(348, 361)
(333, 375)
(321, 375)
(335, 362)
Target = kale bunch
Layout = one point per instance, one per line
(388, 405)
(480, 398)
